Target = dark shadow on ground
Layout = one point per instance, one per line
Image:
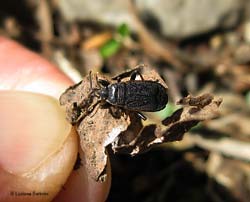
(162, 175)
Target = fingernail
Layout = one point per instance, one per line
(32, 128)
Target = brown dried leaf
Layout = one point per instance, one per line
(96, 131)
(77, 101)
(98, 127)
(173, 128)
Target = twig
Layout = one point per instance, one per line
(226, 146)
(66, 67)
(44, 19)
(152, 45)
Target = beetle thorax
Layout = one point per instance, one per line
(112, 91)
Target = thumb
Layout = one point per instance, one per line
(37, 149)
(37, 146)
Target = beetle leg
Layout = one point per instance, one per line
(126, 74)
(143, 117)
(103, 82)
(134, 74)
(120, 77)
(116, 112)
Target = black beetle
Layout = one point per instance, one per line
(134, 95)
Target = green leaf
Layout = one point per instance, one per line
(110, 48)
(196, 127)
(248, 97)
(123, 30)
(167, 111)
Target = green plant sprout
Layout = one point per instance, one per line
(112, 46)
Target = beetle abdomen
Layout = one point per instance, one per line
(148, 96)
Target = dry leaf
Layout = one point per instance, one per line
(98, 127)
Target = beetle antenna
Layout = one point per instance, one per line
(90, 80)
(96, 78)
(92, 90)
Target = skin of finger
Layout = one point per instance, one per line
(21, 69)
(33, 153)
(32, 127)
(21, 63)
(43, 183)
(76, 182)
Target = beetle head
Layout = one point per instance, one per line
(103, 93)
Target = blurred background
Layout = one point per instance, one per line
(197, 46)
